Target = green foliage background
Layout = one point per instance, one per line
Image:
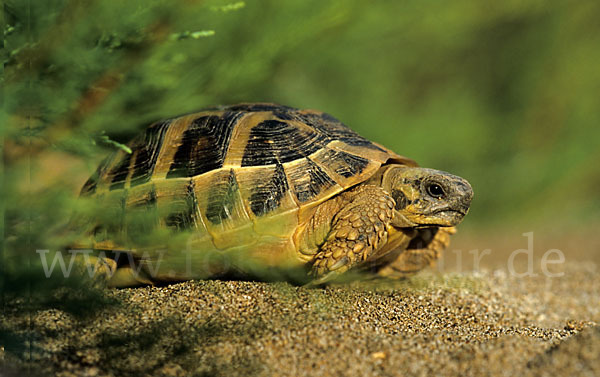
(502, 93)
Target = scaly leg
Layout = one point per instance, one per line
(422, 252)
(106, 271)
(358, 230)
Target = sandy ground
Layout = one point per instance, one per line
(482, 323)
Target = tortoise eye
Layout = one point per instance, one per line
(435, 190)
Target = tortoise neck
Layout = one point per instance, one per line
(378, 178)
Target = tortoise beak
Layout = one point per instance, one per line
(456, 202)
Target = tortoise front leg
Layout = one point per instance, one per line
(358, 231)
(422, 252)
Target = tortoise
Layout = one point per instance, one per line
(270, 184)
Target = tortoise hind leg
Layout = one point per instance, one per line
(106, 271)
(128, 277)
(422, 252)
(99, 268)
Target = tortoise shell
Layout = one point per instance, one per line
(239, 177)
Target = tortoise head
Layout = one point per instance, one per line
(426, 197)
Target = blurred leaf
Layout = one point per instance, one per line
(192, 35)
(104, 139)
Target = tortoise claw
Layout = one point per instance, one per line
(323, 280)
